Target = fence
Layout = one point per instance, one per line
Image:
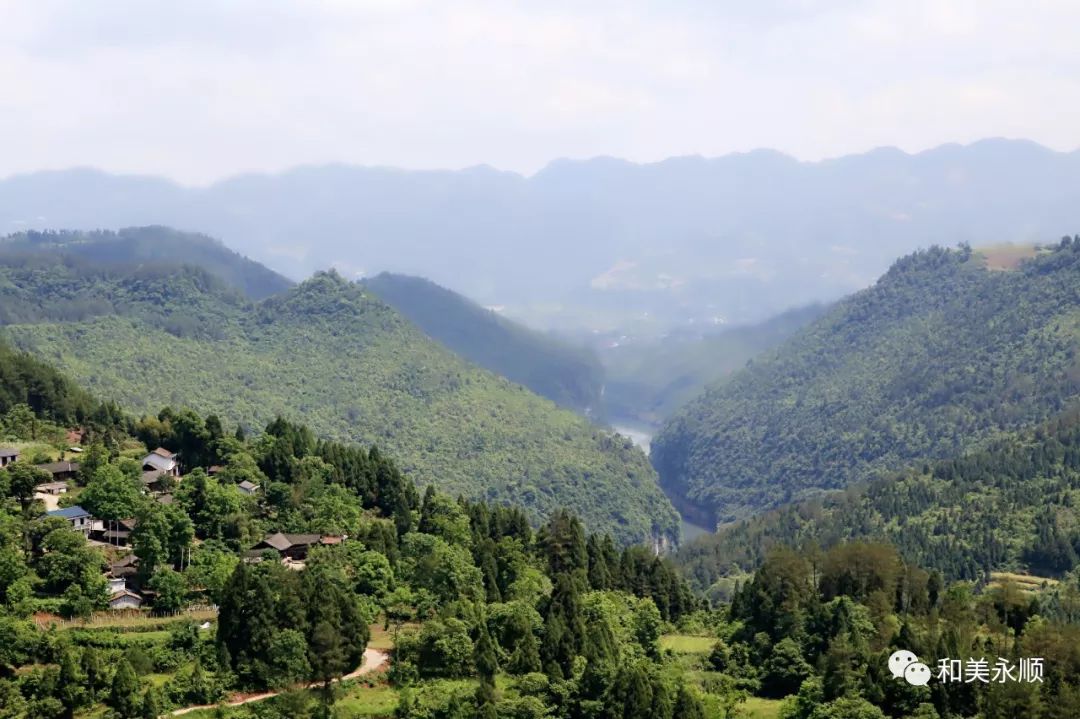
(126, 617)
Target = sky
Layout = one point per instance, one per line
(197, 91)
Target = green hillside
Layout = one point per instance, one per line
(940, 355)
(140, 246)
(1014, 506)
(647, 383)
(569, 376)
(347, 364)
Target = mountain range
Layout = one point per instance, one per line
(149, 334)
(601, 243)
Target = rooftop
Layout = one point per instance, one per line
(59, 467)
(69, 512)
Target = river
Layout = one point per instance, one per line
(642, 437)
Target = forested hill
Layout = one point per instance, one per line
(153, 245)
(567, 375)
(1014, 506)
(344, 362)
(940, 355)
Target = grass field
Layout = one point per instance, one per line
(687, 644)
(1025, 582)
(364, 701)
(758, 708)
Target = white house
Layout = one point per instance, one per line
(79, 519)
(161, 461)
(125, 599)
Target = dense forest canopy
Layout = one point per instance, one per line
(152, 245)
(349, 365)
(472, 590)
(942, 354)
(567, 375)
(488, 612)
(1010, 507)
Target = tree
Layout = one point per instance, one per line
(487, 665)
(111, 494)
(71, 690)
(171, 590)
(124, 694)
(210, 566)
(152, 703)
(785, 670)
(288, 658)
(687, 704)
(632, 693)
(160, 536)
(68, 560)
(564, 630)
(22, 479)
(92, 460)
(847, 708)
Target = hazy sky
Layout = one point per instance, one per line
(199, 90)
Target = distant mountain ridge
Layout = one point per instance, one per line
(134, 246)
(602, 242)
(940, 355)
(331, 353)
(569, 376)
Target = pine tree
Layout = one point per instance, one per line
(124, 694)
(688, 705)
(487, 665)
(526, 656)
(564, 630)
(70, 684)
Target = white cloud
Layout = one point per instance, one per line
(199, 90)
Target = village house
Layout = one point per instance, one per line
(162, 461)
(53, 488)
(8, 455)
(115, 532)
(157, 482)
(247, 487)
(293, 546)
(60, 471)
(79, 519)
(125, 599)
(124, 567)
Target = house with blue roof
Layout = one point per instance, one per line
(79, 519)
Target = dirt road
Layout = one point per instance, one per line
(374, 660)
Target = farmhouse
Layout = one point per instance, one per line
(79, 519)
(115, 532)
(162, 461)
(293, 546)
(156, 481)
(247, 487)
(8, 455)
(53, 488)
(60, 471)
(125, 599)
(126, 566)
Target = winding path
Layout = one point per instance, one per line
(374, 660)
